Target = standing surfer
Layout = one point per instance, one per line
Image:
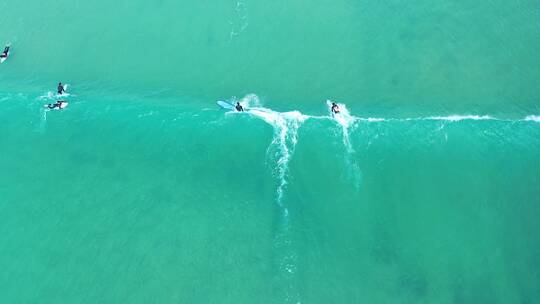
(239, 107)
(61, 89)
(335, 108)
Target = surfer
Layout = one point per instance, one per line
(61, 89)
(5, 53)
(239, 107)
(58, 105)
(335, 108)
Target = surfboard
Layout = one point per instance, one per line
(9, 52)
(226, 105)
(62, 106)
(4, 58)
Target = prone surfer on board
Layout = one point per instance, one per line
(58, 105)
(239, 107)
(5, 53)
(335, 108)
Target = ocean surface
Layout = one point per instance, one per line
(424, 189)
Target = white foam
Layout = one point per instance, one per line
(250, 101)
(459, 117)
(347, 121)
(43, 120)
(284, 140)
(533, 118)
(372, 119)
(48, 95)
(150, 113)
(344, 118)
(286, 127)
(51, 95)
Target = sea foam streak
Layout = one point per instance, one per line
(533, 118)
(345, 120)
(286, 127)
(459, 117)
(43, 120)
(347, 123)
(250, 101)
(284, 140)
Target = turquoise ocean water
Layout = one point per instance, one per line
(425, 190)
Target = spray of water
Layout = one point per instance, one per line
(285, 127)
(347, 123)
(533, 118)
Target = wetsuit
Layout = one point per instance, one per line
(61, 89)
(5, 53)
(239, 108)
(58, 105)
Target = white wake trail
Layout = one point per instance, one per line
(284, 140)
(533, 118)
(347, 123)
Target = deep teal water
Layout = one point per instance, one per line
(424, 190)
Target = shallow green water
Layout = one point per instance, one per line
(425, 190)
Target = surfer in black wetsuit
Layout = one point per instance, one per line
(335, 108)
(239, 107)
(58, 105)
(5, 53)
(61, 88)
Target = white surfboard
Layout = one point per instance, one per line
(4, 58)
(62, 106)
(226, 105)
